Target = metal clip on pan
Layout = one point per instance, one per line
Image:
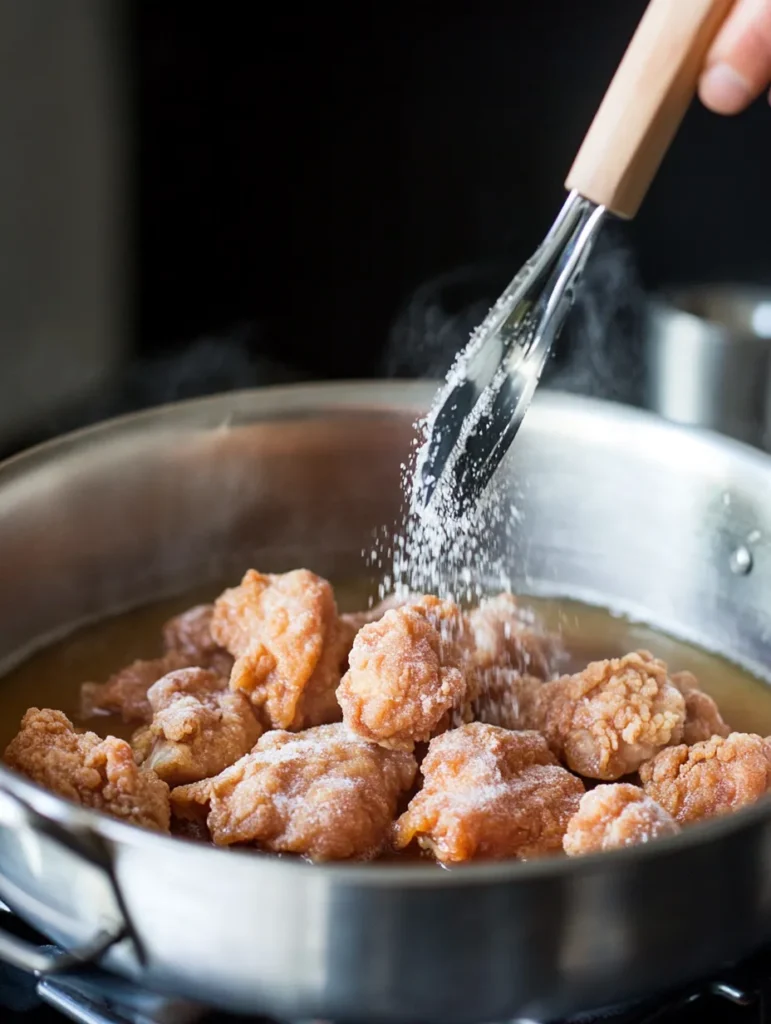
(28, 957)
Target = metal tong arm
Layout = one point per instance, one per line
(503, 361)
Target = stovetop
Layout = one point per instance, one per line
(741, 995)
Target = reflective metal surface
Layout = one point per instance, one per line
(487, 394)
(612, 505)
(708, 359)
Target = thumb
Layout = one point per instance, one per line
(738, 66)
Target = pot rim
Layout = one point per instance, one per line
(397, 396)
(669, 305)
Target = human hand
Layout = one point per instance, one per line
(738, 66)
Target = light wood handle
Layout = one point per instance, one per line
(645, 103)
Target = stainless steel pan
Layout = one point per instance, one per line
(614, 506)
(708, 359)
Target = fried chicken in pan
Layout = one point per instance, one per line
(710, 778)
(605, 721)
(80, 766)
(198, 728)
(322, 793)
(489, 793)
(613, 816)
(289, 646)
(189, 635)
(702, 715)
(408, 675)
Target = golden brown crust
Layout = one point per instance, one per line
(605, 721)
(702, 715)
(613, 816)
(489, 793)
(322, 793)
(354, 621)
(710, 778)
(409, 677)
(503, 638)
(406, 676)
(189, 635)
(289, 646)
(188, 643)
(508, 699)
(96, 773)
(199, 727)
(125, 692)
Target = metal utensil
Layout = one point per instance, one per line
(707, 353)
(476, 415)
(160, 502)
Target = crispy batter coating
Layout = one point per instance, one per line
(512, 657)
(199, 727)
(125, 693)
(605, 721)
(407, 675)
(189, 635)
(504, 638)
(289, 646)
(702, 715)
(710, 778)
(507, 698)
(355, 620)
(188, 643)
(322, 793)
(489, 793)
(100, 774)
(613, 816)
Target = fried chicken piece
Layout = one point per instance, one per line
(605, 721)
(125, 693)
(142, 741)
(407, 676)
(503, 638)
(188, 643)
(710, 778)
(189, 635)
(507, 698)
(289, 646)
(198, 729)
(489, 793)
(96, 773)
(322, 793)
(614, 816)
(512, 657)
(702, 715)
(355, 620)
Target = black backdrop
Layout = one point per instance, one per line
(306, 171)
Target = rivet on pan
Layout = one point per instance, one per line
(741, 561)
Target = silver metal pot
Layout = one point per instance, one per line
(614, 505)
(708, 358)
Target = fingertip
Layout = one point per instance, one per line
(723, 90)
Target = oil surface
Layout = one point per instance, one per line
(52, 677)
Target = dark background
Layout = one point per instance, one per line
(199, 196)
(308, 170)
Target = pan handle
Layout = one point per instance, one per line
(15, 813)
(29, 957)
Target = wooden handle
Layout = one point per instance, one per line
(646, 101)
